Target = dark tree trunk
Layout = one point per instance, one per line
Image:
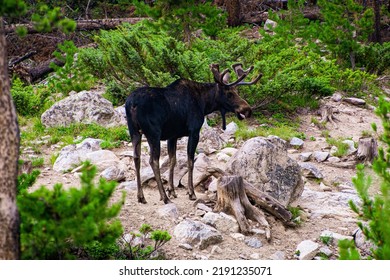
(9, 153)
(233, 8)
(376, 37)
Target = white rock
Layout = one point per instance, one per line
(307, 249)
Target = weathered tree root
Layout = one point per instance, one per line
(232, 197)
(327, 115)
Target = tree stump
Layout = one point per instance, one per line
(367, 149)
(327, 115)
(232, 198)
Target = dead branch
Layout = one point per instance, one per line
(92, 24)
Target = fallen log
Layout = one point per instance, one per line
(33, 74)
(82, 25)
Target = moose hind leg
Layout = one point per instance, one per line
(136, 140)
(172, 162)
(155, 164)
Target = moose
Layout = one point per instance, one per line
(179, 110)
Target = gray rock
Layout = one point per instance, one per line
(325, 204)
(113, 173)
(320, 156)
(333, 159)
(337, 97)
(307, 250)
(335, 237)
(229, 151)
(221, 222)
(213, 185)
(168, 211)
(185, 246)
(305, 156)
(296, 142)
(231, 129)
(202, 162)
(326, 251)
(82, 107)
(351, 147)
(197, 233)
(269, 25)
(355, 101)
(130, 186)
(203, 207)
(310, 171)
(264, 163)
(71, 156)
(253, 242)
(278, 255)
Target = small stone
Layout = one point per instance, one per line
(296, 142)
(326, 251)
(305, 156)
(333, 159)
(216, 250)
(336, 97)
(307, 250)
(320, 156)
(253, 242)
(325, 188)
(255, 256)
(238, 236)
(278, 255)
(335, 237)
(185, 246)
(355, 101)
(203, 207)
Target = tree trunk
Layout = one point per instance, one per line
(233, 8)
(376, 37)
(9, 153)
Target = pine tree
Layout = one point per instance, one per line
(374, 211)
(182, 18)
(345, 24)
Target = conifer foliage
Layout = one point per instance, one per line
(374, 211)
(62, 224)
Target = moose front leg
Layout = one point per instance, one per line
(136, 141)
(193, 140)
(172, 162)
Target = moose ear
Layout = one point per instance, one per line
(226, 78)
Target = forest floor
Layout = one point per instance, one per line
(353, 121)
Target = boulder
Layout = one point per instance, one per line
(197, 234)
(221, 221)
(72, 155)
(82, 107)
(264, 163)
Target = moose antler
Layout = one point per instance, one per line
(239, 71)
(222, 78)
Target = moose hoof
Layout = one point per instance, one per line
(167, 201)
(192, 196)
(142, 200)
(172, 194)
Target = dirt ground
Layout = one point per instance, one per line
(352, 122)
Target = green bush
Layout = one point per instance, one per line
(70, 76)
(27, 103)
(59, 224)
(375, 58)
(374, 211)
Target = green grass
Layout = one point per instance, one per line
(283, 131)
(342, 148)
(111, 136)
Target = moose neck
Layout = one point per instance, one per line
(211, 98)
